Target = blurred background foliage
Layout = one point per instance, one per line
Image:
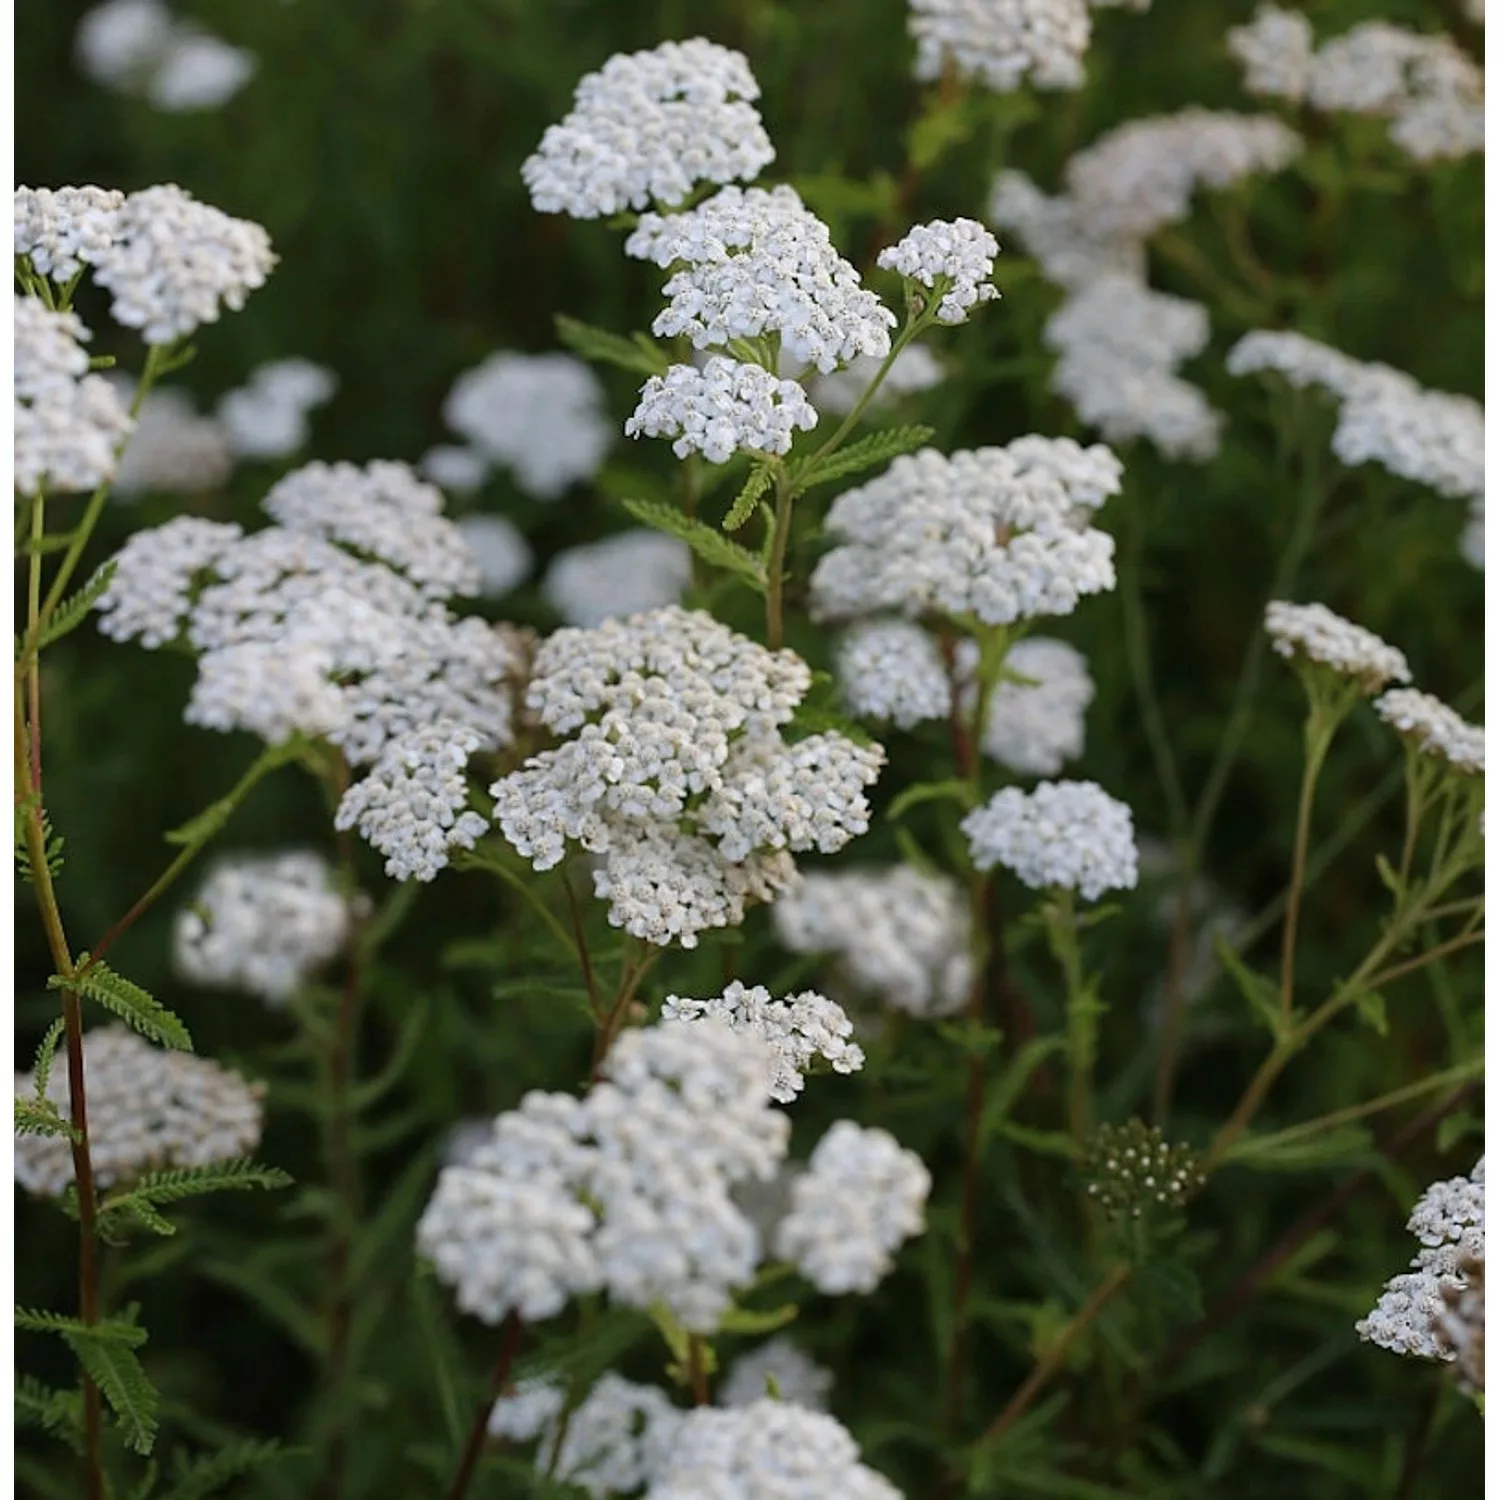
(380, 143)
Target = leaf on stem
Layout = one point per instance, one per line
(710, 544)
(762, 476)
(122, 997)
(636, 353)
(1259, 990)
(876, 448)
(73, 611)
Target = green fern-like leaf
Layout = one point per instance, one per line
(52, 843)
(74, 610)
(136, 1007)
(40, 1117)
(198, 1478)
(760, 480)
(106, 1331)
(712, 546)
(45, 1053)
(636, 353)
(57, 1413)
(148, 1194)
(114, 1368)
(877, 448)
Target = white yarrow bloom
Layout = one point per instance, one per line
(799, 1030)
(197, 70)
(649, 127)
(615, 1439)
(618, 575)
(1313, 632)
(68, 424)
(119, 43)
(503, 555)
(64, 229)
(266, 418)
(768, 1450)
(150, 595)
(1036, 726)
(173, 263)
(1057, 233)
(958, 254)
(541, 416)
(896, 933)
(454, 467)
(862, 1196)
(725, 408)
(892, 671)
(780, 1371)
(1448, 1221)
(1434, 728)
(1068, 835)
(523, 1413)
(1002, 43)
(149, 1109)
(263, 924)
(752, 262)
(1001, 534)
(174, 450)
(1276, 52)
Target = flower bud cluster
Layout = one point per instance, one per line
(1133, 1170)
(149, 1109)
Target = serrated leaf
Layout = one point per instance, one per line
(762, 476)
(47, 1049)
(114, 1368)
(1259, 990)
(951, 790)
(40, 1117)
(136, 1007)
(148, 1193)
(108, 1330)
(875, 448)
(73, 611)
(636, 353)
(711, 545)
(197, 1478)
(57, 1413)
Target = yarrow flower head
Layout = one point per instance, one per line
(892, 671)
(725, 408)
(801, 1030)
(749, 263)
(263, 924)
(863, 1195)
(1067, 835)
(539, 415)
(172, 263)
(625, 1190)
(149, 1109)
(69, 424)
(1434, 729)
(1133, 1171)
(174, 450)
(63, 229)
(768, 1450)
(1448, 1221)
(999, 534)
(677, 778)
(502, 553)
(1057, 233)
(619, 575)
(957, 257)
(1035, 722)
(1276, 52)
(777, 1369)
(896, 933)
(649, 127)
(267, 417)
(1002, 43)
(1314, 633)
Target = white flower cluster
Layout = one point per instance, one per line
(263, 923)
(332, 624)
(454, 467)
(1119, 344)
(780, 1370)
(1142, 175)
(64, 229)
(139, 48)
(625, 1190)
(752, 262)
(173, 450)
(897, 933)
(769, 1450)
(149, 1109)
(1002, 43)
(69, 424)
(503, 554)
(173, 263)
(959, 254)
(1058, 234)
(267, 416)
(1430, 90)
(618, 575)
(799, 1030)
(725, 408)
(892, 671)
(1433, 438)
(676, 775)
(1000, 534)
(861, 1197)
(541, 416)
(914, 369)
(1434, 728)
(1313, 632)
(649, 127)
(1070, 835)
(1448, 1222)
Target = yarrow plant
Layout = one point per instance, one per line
(688, 1094)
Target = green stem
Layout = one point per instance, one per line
(33, 614)
(1411, 965)
(909, 331)
(781, 529)
(631, 975)
(1081, 1011)
(468, 1462)
(1320, 731)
